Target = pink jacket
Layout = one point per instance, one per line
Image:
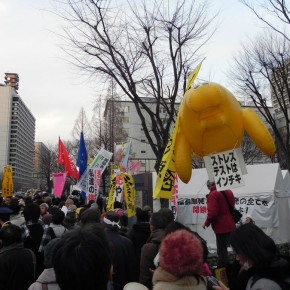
(218, 213)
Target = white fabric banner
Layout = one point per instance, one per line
(100, 162)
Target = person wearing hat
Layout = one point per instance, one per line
(181, 263)
(5, 213)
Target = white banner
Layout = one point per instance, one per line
(226, 170)
(261, 208)
(100, 162)
(119, 188)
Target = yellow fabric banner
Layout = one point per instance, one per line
(7, 183)
(193, 76)
(110, 204)
(129, 190)
(165, 176)
(166, 172)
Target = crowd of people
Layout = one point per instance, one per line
(60, 243)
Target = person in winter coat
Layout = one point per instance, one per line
(122, 251)
(47, 277)
(220, 219)
(57, 222)
(139, 234)
(151, 248)
(17, 269)
(181, 263)
(262, 267)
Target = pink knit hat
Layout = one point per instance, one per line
(181, 254)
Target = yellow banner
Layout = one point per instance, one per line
(166, 173)
(110, 204)
(129, 190)
(165, 176)
(7, 183)
(193, 76)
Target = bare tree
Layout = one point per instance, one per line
(261, 72)
(147, 48)
(46, 164)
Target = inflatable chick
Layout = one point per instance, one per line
(211, 120)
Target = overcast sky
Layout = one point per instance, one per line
(54, 90)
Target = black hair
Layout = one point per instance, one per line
(158, 220)
(91, 215)
(31, 212)
(252, 243)
(167, 214)
(10, 234)
(142, 215)
(57, 216)
(82, 259)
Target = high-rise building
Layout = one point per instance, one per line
(17, 133)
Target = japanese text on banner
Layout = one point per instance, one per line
(226, 170)
(129, 191)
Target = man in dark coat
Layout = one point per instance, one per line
(220, 219)
(122, 250)
(17, 264)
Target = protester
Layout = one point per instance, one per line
(16, 263)
(70, 220)
(47, 277)
(175, 226)
(57, 222)
(35, 234)
(151, 248)
(16, 218)
(122, 250)
(43, 209)
(262, 267)
(66, 205)
(5, 213)
(181, 260)
(82, 259)
(90, 215)
(139, 234)
(220, 219)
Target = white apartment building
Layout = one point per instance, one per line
(17, 133)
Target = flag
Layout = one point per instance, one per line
(193, 76)
(64, 159)
(82, 161)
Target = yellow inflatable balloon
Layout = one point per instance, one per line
(211, 120)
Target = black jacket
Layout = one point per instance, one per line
(16, 268)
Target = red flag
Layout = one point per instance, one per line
(63, 159)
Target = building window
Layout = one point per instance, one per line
(142, 140)
(125, 119)
(143, 151)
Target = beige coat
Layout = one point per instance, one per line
(163, 280)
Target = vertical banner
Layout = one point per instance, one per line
(119, 188)
(93, 184)
(226, 170)
(7, 183)
(58, 183)
(100, 162)
(110, 204)
(129, 191)
(174, 198)
(166, 172)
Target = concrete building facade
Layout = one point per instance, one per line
(17, 133)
